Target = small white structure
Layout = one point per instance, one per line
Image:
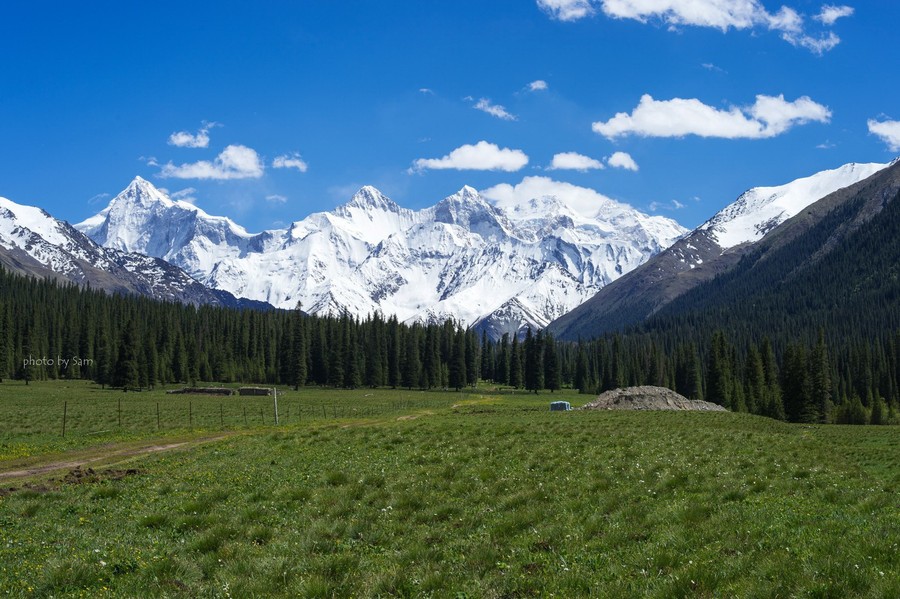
(560, 406)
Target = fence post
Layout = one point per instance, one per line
(275, 391)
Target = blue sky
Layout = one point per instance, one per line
(269, 111)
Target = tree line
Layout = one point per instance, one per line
(50, 330)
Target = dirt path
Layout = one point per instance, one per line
(105, 455)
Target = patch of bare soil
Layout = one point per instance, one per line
(76, 476)
(97, 455)
(649, 398)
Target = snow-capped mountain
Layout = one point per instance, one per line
(502, 268)
(33, 242)
(761, 209)
(710, 249)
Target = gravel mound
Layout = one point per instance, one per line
(649, 398)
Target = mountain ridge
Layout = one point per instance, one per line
(710, 250)
(34, 243)
(463, 258)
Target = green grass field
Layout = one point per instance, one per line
(394, 493)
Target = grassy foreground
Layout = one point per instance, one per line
(473, 495)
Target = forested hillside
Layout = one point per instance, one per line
(53, 330)
(49, 330)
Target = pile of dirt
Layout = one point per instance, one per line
(649, 398)
(78, 476)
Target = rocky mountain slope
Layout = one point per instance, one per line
(33, 242)
(712, 249)
(500, 269)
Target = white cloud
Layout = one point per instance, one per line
(622, 160)
(426, 91)
(183, 139)
(711, 67)
(673, 205)
(573, 161)
(780, 115)
(235, 162)
(482, 156)
(495, 110)
(538, 86)
(831, 13)
(888, 131)
(96, 199)
(583, 200)
(718, 14)
(815, 45)
(768, 117)
(290, 161)
(276, 198)
(185, 195)
(566, 10)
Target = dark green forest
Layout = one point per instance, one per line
(50, 330)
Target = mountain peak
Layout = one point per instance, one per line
(466, 195)
(141, 191)
(468, 191)
(760, 209)
(367, 198)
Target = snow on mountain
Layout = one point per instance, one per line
(706, 252)
(52, 243)
(761, 209)
(54, 248)
(465, 258)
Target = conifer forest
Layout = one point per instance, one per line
(50, 330)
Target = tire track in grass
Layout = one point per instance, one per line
(106, 455)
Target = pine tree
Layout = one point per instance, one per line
(501, 376)
(773, 404)
(179, 360)
(755, 377)
(819, 403)
(27, 369)
(581, 376)
(487, 358)
(5, 341)
(534, 362)
(795, 382)
(877, 415)
(410, 364)
(473, 359)
(298, 350)
(150, 363)
(352, 370)
(617, 366)
(516, 374)
(393, 352)
(720, 387)
(551, 364)
(336, 358)
(127, 374)
(457, 366)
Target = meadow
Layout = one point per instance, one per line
(472, 494)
